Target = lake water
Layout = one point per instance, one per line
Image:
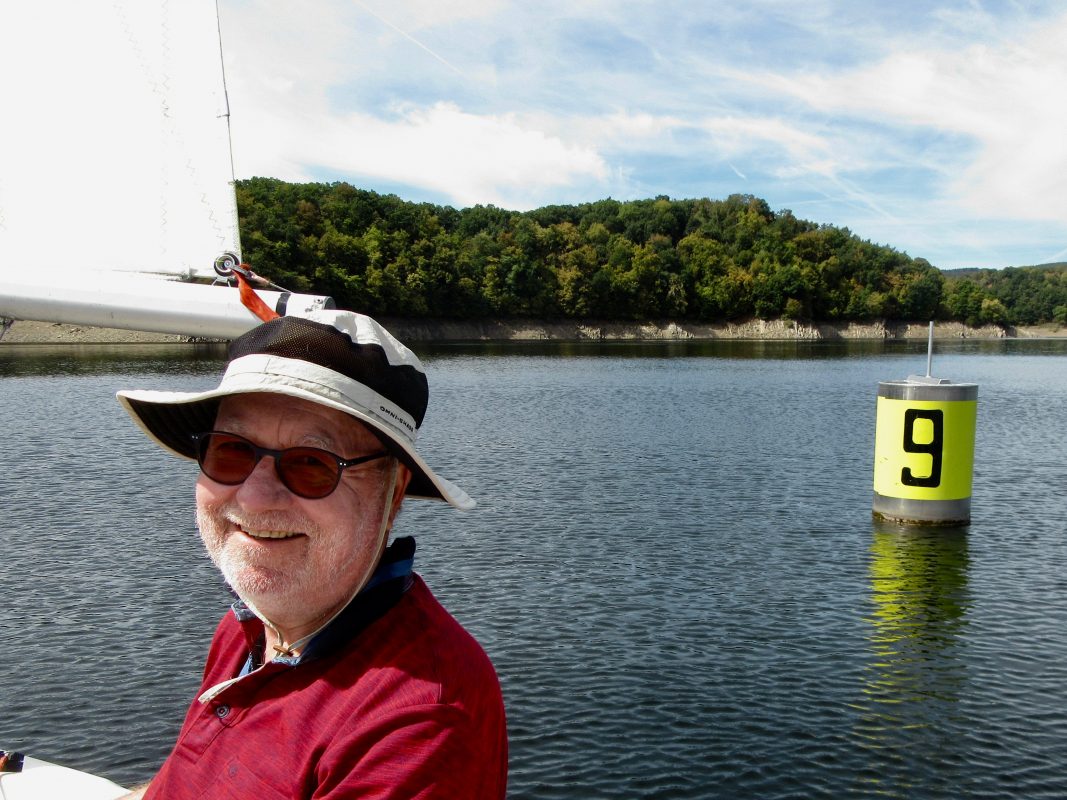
(673, 566)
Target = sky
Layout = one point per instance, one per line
(938, 128)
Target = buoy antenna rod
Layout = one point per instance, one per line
(930, 351)
(928, 377)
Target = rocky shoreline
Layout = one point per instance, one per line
(27, 332)
(574, 330)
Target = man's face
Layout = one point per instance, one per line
(296, 560)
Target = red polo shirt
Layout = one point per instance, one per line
(409, 707)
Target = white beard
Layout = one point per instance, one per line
(317, 575)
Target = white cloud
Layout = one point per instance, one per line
(736, 135)
(471, 158)
(292, 119)
(1004, 98)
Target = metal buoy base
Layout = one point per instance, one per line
(922, 512)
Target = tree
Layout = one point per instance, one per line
(993, 312)
(964, 302)
(919, 294)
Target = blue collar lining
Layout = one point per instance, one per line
(387, 585)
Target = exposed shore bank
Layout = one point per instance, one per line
(574, 330)
(27, 332)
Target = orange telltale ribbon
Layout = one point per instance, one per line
(249, 299)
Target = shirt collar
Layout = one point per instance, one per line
(386, 586)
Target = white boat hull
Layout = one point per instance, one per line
(42, 780)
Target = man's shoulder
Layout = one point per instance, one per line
(419, 627)
(417, 653)
(412, 681)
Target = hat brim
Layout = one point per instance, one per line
(171, 419)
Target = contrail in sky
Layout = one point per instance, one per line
(409, 37)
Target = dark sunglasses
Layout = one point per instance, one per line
(305, 471)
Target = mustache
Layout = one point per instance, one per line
(230, 513)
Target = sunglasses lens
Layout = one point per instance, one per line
(306, 471)
(309, 472)
(226, 459)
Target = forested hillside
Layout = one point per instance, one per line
(1017, 295)
(707, 260)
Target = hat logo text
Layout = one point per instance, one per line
(397, 417)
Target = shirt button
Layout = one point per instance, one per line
(222, 711)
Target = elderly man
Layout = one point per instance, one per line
(337, 674)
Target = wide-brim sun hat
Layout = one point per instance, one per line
(338, 359)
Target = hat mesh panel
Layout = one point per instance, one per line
(305, 340)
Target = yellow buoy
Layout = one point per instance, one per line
(924, 450)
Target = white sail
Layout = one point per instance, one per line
(115, 180)
(114, 158)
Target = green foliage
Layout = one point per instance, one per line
(1022, 295)
(708, 260)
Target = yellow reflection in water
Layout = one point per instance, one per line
(915, 672)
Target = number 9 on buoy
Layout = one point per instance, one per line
(924, 451)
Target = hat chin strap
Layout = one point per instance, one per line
(291, 649)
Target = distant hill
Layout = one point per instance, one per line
(960, 272)
(696, 260)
